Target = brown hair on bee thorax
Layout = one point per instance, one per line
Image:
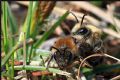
(66, 43)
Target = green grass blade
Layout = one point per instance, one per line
(4, 28)
(6, 58)
(27, 23)
(35, 19)
(5, 33)
(29, 19)
(11, 20)
(14, 30)
(42, 68)
(51, 30)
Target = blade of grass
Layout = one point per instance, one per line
(31, 51)
(35, 19)
(11, 20)
(27, 24)
(34, 24)
(38, 17)
(13, 27)
(34, 68)
(5, 34)
(28, 20)
(43, 10)
(6, 58)
(51, 30)
(4, 28)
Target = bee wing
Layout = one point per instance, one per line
(97, 45)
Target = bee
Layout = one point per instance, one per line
(82, 43)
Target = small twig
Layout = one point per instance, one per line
(24, 54)
(116, 78)
(111, 32)
(112, 17)
(24, 50)
(94, 55)
(112, 57)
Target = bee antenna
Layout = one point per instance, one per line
(74, 16)
(82, 19)
(52, 56)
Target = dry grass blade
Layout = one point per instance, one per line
(43, 11)
(95, 10)
(25, 3)
(24, 50)
(24, 54)
(110, 12)
(112, 57)
(111, 32)
(46, 7)
(92, 20)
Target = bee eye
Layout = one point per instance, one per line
(82, 31)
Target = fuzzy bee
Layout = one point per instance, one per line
(84, 42)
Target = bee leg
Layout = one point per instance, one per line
(52, 56)
(97, 45)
